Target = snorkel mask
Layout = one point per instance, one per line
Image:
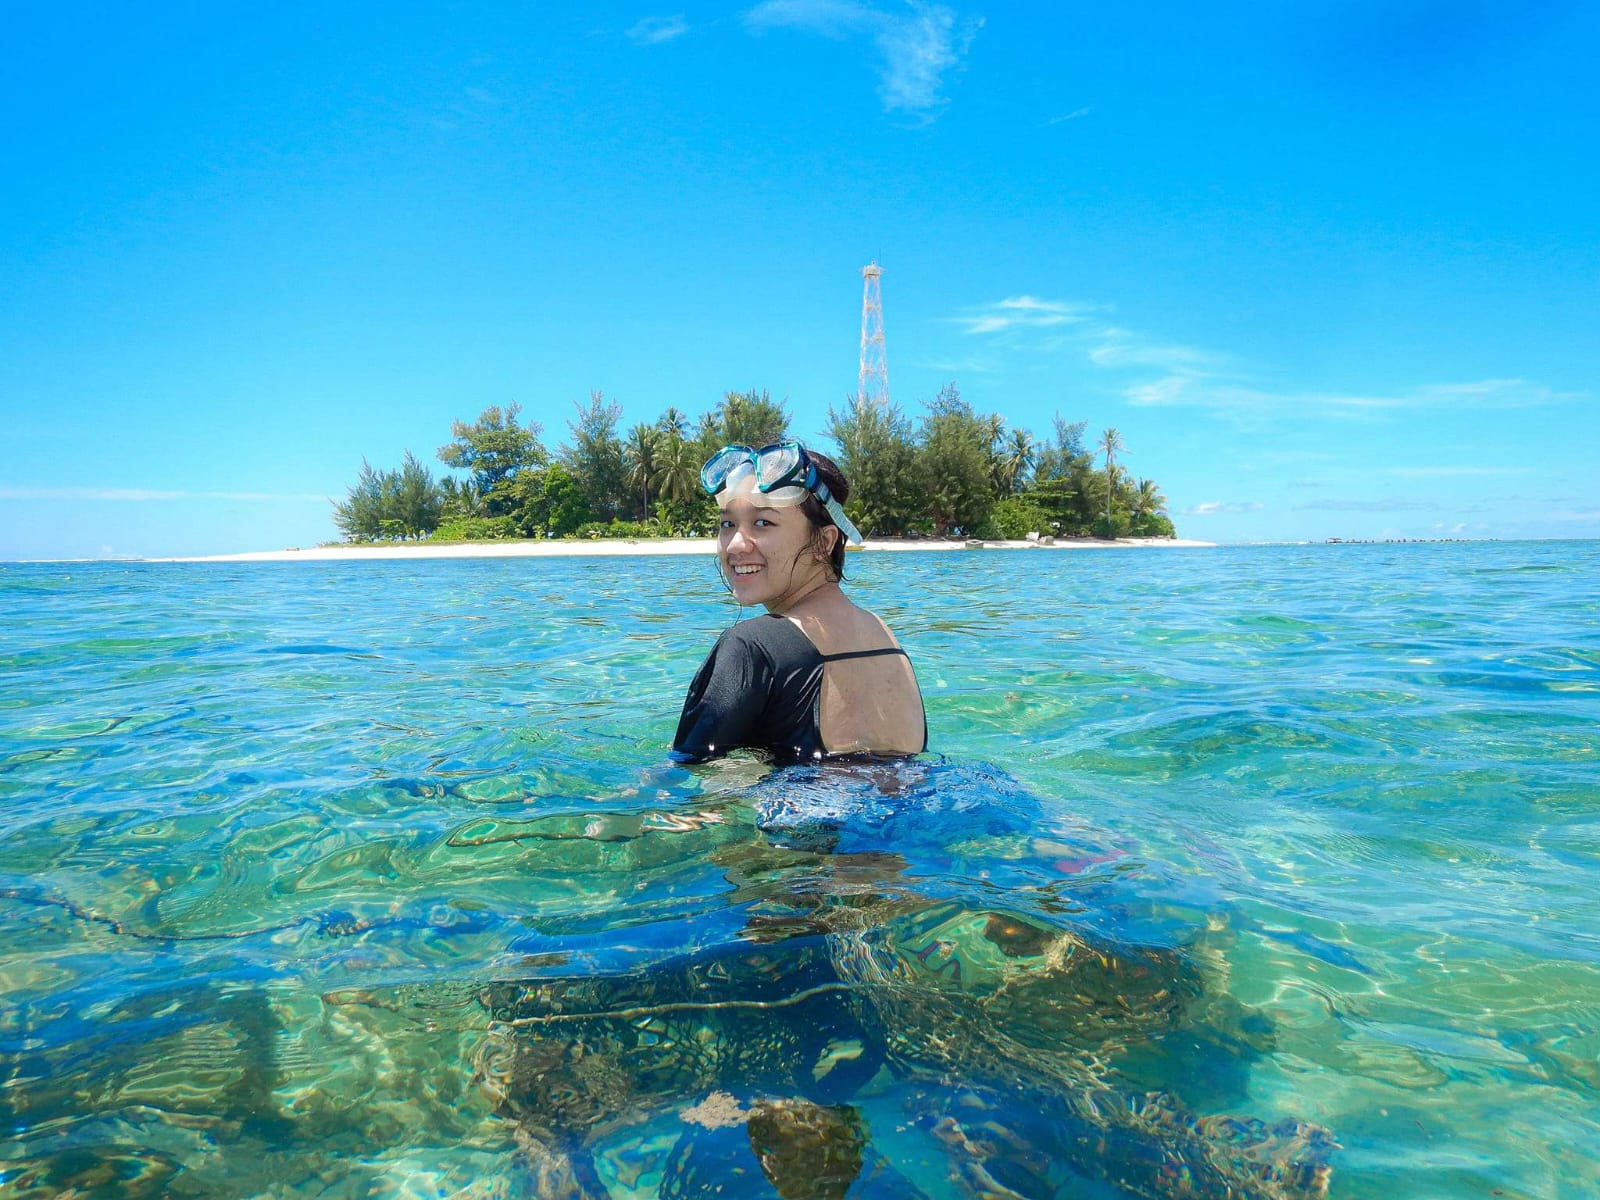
(782, 474)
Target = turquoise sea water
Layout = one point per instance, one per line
(1270, 869)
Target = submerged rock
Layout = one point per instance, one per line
(995, 1034)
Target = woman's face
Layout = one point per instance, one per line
(766, 553)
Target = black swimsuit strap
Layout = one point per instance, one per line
(827, 658)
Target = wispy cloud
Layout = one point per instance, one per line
(1022, 312)
(1387, 504)
(1123, 348)
(1488, 393)
(1088, 331)
(1454, 472)
(1202, 390)
(652, 31)
(1212, 508)
(916, 48)
(1071, 116)
(138, 495)
(1167, 374)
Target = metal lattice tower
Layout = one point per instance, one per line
(874, 381)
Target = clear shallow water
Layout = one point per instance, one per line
(371, 879)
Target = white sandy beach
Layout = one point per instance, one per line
(554, 548)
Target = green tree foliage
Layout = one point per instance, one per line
(475, 529)
(566, 501)
(683, 506)
(418, 502)
(750, 419)
(596, 457)
(1016, 457)
(1148, 509)
(390, 505)
(959, 471)
(554, 501)
(1110, 444)
(954, 453)
(359, 515)
(495, 449)
(673, 423)
(878, 455)
(1016, 517)
(1065, 485)
(462, 499)
(708, 438)
(1055, 459)
(639, 452)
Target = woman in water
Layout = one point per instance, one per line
(817, 676)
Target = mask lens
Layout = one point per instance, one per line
(776, 464)
(714, 475)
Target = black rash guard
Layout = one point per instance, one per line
(760, 688)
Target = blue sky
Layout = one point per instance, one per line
(1333, 269)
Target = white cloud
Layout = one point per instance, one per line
(917, 48)
(1211, 508)
(143, 494)
(652, 31)
(1021, 312)
(1168, 390)
(1106, 345)
(918, 54)
(1122, 348)
(1071, 116)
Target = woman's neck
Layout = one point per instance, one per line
(808, 595)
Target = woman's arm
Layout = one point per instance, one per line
(725, 700)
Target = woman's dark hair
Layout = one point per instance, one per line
(828, 471)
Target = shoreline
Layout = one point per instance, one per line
(603, 547)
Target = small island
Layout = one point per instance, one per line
(956, 478)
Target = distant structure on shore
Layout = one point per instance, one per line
(874, 380)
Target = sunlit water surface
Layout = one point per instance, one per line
(1249, 872)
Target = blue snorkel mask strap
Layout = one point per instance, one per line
(819, 489)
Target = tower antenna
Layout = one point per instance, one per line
(873, 384)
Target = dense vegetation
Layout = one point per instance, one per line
(956, 472)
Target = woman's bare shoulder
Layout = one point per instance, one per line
(840, 628)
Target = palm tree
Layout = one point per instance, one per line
(673, 423)
(677, 469)
(994, 429)
(1018, 460)
(640, 455)
(1148, 500)
(995, 426)
(462, 498)
(1110, 443)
